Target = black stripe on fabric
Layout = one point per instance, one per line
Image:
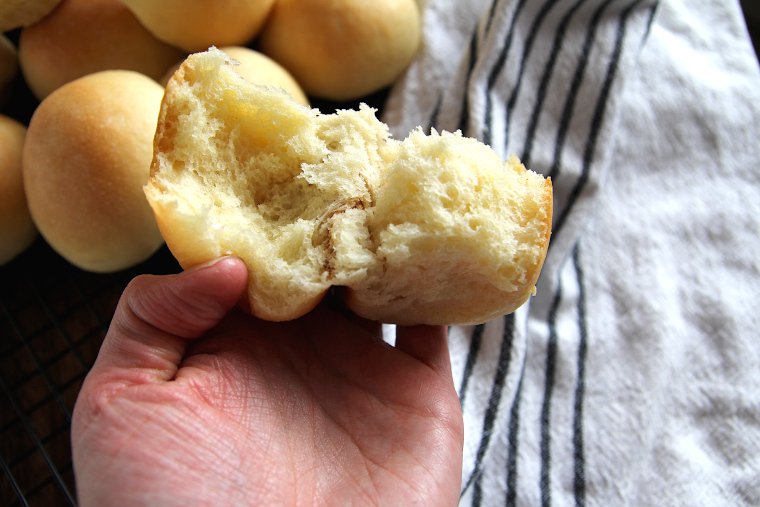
(494, 74)
(472, 356)
(491, 13)
(537, 22)
(575, 85)
(598, 117)
(477, 492)
(433, 121)
(477, 489)
(551, 365)
(502, 367)
(543, 85)
(512, 444)
(650, 21)
(579, 459)
(464, 114)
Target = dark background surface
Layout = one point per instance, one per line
(53, 317)
(752, 17)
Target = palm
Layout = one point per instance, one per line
(316, 411)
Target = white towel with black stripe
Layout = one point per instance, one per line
(633, 377)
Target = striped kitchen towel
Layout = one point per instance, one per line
(633, 377)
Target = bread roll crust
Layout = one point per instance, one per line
(434, 229)
(85, 36)
(17, 230)
(17, 13)
(343, 49)
(86, 157)
(195, 25)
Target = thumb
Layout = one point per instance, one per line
(157, 315)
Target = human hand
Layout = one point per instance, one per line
(193, 402)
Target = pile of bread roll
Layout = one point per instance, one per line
(97, 68)
(120, 84)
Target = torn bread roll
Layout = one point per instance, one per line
(429, 230)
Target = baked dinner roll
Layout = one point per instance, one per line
(257, 68)
(17, 230)
(195, 25)
(342, 49)
(430, 230)
(85, 36)
(8, 67)
(17, 13)
(86, 158)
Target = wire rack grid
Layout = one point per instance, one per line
(53, 318)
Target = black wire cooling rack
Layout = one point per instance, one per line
(53, 318)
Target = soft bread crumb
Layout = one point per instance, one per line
(434, 229)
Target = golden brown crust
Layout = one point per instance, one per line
(548, 204)
(86, 36)
(343, 49)
(18, 13)
(195, 25)
(86, 158)
(17, 231)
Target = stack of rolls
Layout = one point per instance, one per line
(97, 70)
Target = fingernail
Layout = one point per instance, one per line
(210, 263)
